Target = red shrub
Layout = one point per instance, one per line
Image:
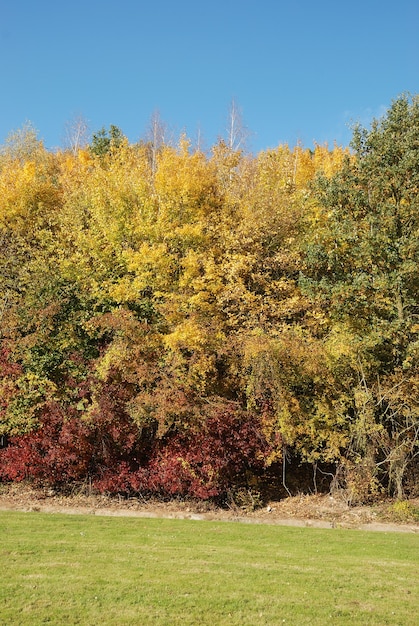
(113, 453)
(59, 451)
(210, 461)
(65, 448)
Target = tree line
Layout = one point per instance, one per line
(179, 323)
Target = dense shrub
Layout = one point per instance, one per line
(59, 451)
(201, 463)
(112, 455)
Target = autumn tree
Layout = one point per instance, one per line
(361, 265)
(22, 144)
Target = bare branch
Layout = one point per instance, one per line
(237, 133)
(76, 133)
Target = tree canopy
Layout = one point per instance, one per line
(184, 323)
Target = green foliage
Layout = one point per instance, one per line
(362, 261)
(361, 268)
(103, 141)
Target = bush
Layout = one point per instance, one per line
(58, 452)
(211, 461)
(405, 511)
(112, 453)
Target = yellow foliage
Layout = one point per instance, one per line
(84, 157)
(340, 343)
(27, 194)
(117, 353)
(187, 336)
(329, 161)
(184, 185)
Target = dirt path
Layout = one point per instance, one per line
(316, 511)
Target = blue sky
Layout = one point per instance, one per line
(300, 71)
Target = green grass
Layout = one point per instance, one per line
(65, 569)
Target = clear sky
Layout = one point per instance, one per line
(299, 70)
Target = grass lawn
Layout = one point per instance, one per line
(70, 569)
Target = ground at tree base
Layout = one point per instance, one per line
(317, 511)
